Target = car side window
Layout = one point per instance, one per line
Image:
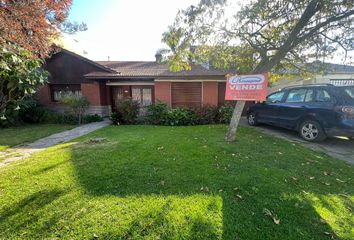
(323, 96)
(275, 97)
(309, 95)
(296, 95)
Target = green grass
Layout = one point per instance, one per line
(28, 133)
(146, 182)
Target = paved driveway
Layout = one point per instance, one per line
(335, 147)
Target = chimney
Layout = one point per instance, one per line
(108, 58)
(158, 57)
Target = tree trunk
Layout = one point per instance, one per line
(235, 120)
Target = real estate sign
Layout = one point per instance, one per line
(247, 87)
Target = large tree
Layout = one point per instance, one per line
(260, 36)
(27, 31)
(33, 24)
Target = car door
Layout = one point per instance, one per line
(295, 106)
(268, 111)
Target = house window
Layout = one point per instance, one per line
(58, 90)
(143, 95)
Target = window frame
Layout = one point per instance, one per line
(282, 99)
(63, 87)
(333, 99)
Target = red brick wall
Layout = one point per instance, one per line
(93, 93)
(210, 93)
(163, 92)
(44, 95)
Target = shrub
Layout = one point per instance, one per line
(127, 111)
(116, 118)
(157, 113)
(10, 117)
(207, 114)
(31, 111)
(224, 113)
(77, 103)
(92, 118)
(181, 117)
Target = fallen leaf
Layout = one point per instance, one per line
(239, 196)
(274, 217)
(294, 178)
(311, 178)
(341, 181)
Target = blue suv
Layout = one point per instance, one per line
(315, 111)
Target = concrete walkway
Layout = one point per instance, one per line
(20, 152)
(338, 148)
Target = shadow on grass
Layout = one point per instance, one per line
(29, 211)
(179, 183)
(254, 174)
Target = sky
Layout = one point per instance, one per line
(129, 30)
(122, 29)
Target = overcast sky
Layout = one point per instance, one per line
(122, 29)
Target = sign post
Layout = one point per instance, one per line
(244, 88)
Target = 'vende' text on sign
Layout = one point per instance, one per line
(247, 87)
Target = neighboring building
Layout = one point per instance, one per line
(104, 83)
(336, 74)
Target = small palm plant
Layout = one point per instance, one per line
(78, 104)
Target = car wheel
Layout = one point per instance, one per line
(312, 131)
(252, 119)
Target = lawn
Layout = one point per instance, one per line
(146, 182)
(28, 133)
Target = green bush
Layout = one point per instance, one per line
(206, 114)
(116, 118)
(92, 118)
(10, 117)
(157, 113)
(31, 111)
(60, 118)
(224, 113)
(127, 111)
(181, 117)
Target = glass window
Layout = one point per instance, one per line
(309, 95)
(323, 96)
(57, 94)
(136, 94)
(275, 97)
(296, 95)
(147, 97)
(142, 95)
(350, 91)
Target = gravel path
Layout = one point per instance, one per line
(20, 152)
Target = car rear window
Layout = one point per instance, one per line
(349, 91)
(346, 94)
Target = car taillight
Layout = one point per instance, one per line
(347, 110)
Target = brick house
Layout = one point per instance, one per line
(104, 83)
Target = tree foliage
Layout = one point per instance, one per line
(32, 24)
(20, 76)
(261, 35)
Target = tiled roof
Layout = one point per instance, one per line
(151, 69)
